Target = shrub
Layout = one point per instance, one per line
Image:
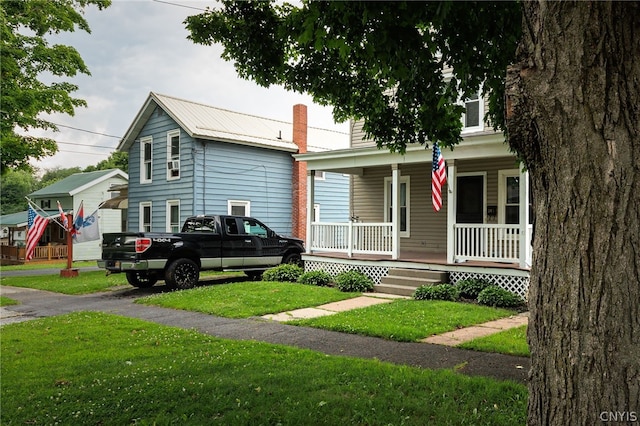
(353, 281)
(287, 272)
(437, 292)
(499, 297)
(470, 288)
(319, 278)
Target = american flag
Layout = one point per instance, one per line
(438, 177)
(36, 225)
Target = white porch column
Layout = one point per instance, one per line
(311, 182)
(451, 210)
(523, 244)
(395, 211)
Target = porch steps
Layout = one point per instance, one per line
(403, 282)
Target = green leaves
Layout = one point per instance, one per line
(27, 58)
(378, 61)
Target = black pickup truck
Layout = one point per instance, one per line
(205, 243)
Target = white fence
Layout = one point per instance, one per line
(352, 237)
(498, 243)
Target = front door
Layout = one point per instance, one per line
(470, 199)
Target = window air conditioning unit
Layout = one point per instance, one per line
(173, 165)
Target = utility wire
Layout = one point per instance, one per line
(88, 131)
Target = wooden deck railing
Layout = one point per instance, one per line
(48, 252)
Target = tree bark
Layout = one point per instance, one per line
(573, 104)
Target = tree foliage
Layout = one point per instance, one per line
(117, 160)
(28, 61)
(377, 61)
(15, 185)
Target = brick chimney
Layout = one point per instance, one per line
(299, 178)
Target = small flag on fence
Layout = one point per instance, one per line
(438, 177)
(36, 225)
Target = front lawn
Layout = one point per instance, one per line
(247, 299)
(407, 320)
(510, 342)
(95, 368)
(7, 301)
(85, 282)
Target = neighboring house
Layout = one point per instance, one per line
(91, 189)
(483, 229)
(186, 158)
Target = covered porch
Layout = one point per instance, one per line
(482, 219)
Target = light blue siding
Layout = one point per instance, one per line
(237, 172)
(332, 194)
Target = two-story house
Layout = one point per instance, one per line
(187, 158)
(482, 230)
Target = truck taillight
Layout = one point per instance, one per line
(142, 244)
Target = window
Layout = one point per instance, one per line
(173, 216)
(145, 216)
(45, 204)
(319, 175)
(146, 159)
(509, 197)
(252, 227)
(173, 154)
(473, 117)
(404, 203)
(239, 207)
(200, 225)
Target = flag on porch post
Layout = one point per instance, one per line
(438, 177)
(36, 225)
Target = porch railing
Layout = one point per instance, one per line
(352, 237)
(497, 243)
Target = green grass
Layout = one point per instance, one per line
(28, 266)
(407, 320)
(105, 369)
(247, 299)
(85, 282)
(6, 301)
(510, 342)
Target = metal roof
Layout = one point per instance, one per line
(14, 220)
(77, 182)
(211, 123)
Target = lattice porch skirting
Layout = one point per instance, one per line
(517, 284)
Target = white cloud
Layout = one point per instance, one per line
(140, 46)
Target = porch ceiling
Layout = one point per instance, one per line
(355, 160)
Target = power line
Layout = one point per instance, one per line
(180, 5)
(88, 146)
(87, 131)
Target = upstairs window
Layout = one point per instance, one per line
(146, 159)
(473, 117)
(173, 154)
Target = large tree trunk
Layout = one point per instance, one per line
(573, 115)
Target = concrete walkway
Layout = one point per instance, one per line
(452, 338)
(38, 304)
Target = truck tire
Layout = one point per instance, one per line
(182, 274)
(141, 279)
(294, 258)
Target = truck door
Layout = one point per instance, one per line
(236, 244)
(204, 232)
(268, 250)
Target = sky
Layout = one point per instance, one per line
(139, 46)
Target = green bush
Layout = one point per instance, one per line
(499, 297)
(470, 288)
(353, 281)
(319, 278)
(437, 292)
(287, 272)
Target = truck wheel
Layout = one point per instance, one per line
(182, 274)
(141, 279)
(294, 258)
